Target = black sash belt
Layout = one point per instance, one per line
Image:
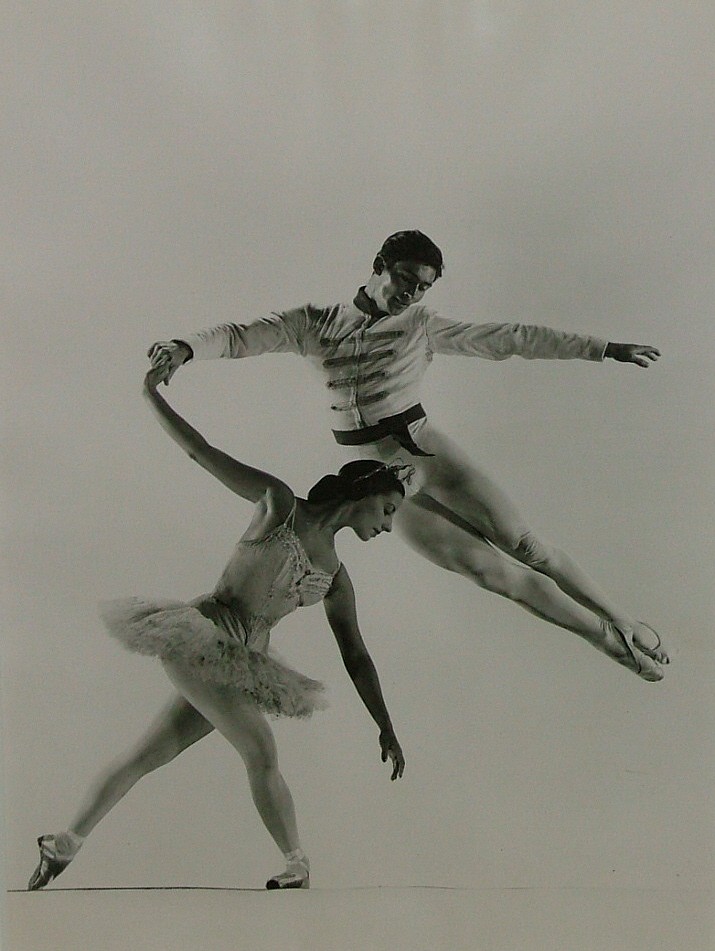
(395, 426)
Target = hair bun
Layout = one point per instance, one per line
(356, 480)
(329, 488)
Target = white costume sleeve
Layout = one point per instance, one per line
(498, 341)
(276, 333)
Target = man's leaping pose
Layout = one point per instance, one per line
(371, 355)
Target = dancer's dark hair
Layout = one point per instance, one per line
(357, 480)
(409, 246)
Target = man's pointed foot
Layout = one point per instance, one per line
(648, 641)
(619, 644)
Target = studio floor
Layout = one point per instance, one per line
(363, 919)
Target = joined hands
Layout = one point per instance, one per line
(167, 356)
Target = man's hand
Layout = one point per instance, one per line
(390, 747)
(168, 356)
(636, 353)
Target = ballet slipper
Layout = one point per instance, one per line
(655, 652)
(647, 667)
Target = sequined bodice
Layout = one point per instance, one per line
(265, 580)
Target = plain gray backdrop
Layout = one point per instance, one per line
(174, 165)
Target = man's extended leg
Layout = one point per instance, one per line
(453, 480)
(450, 542)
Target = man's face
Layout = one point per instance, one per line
(402, 284)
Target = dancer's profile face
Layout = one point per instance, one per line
(401, 284)
(373, 514)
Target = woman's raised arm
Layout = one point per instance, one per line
(249, 483)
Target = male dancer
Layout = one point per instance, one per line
(371, 354)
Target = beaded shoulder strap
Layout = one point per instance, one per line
(290, 520)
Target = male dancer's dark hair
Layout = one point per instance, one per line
(409, 246)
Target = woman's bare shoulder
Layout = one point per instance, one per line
(272, 510)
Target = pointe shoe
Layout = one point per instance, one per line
(56, 853)
(296, 875)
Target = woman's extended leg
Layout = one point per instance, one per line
(176, 728)
(248, 731)
(450, 478)
(450, 542)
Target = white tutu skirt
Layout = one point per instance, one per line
(214, 650)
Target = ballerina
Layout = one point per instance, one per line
(215, 649)
(372, 354)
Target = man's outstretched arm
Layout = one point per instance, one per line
(276, 333)
(497, 341)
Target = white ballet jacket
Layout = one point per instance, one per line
(373, 368)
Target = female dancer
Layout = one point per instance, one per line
(215, 648)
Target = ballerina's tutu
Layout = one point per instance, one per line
(215, 648)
